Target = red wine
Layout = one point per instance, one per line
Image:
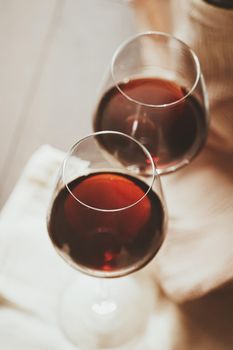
(171, 133)
(107, 240)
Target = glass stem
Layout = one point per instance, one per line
(104, 304)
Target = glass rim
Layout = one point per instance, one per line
(126, 42)
(94, 134)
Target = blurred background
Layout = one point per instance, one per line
(53, 56)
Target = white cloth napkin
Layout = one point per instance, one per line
(32, 276)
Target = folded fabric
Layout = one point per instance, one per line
(197, 255)
(31, 275)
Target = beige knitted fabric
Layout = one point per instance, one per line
(209, 31)
(197, 255)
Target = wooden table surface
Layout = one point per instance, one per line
(53, 54)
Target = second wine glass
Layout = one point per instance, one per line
(155, 92)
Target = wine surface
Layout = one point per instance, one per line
(107, 239)
(171, 133)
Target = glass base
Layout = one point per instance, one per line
(107, 313)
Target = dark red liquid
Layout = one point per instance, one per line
(171, 133)
(107, 240)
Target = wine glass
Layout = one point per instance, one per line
(155, 92)
(107, 219)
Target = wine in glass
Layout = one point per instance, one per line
(155, 92)
(107, 219)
